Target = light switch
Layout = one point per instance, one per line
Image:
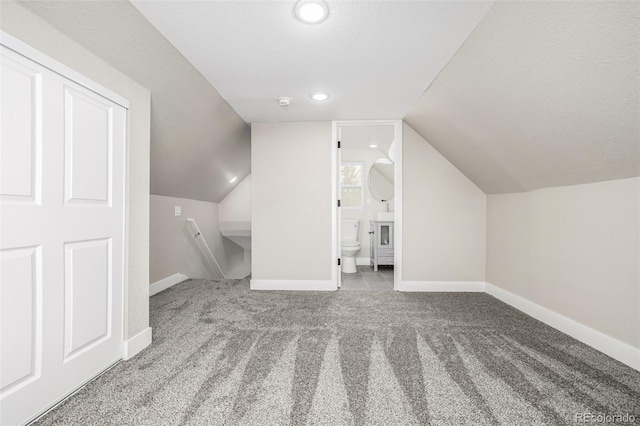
(178, 210)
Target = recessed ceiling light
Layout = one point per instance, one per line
(311, 11)
(233, 179)
(373, 145)
(320, 96)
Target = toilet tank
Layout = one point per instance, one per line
(349, 231)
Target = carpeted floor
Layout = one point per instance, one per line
(224, 355)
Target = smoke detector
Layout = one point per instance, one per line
(284, 101)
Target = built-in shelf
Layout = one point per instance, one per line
(238, 232)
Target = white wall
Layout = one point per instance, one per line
(236, 206)
(291, 202)
(574, 250)
(371, 205)
(444, 217)
(24, 25)
(173, 248)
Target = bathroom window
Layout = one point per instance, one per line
(351, 190)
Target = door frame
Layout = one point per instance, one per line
(335, 195)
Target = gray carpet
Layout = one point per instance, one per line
(224, 355)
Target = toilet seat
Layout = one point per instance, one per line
(350, 244)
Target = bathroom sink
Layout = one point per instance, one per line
(386, 216)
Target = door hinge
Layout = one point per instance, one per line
(338, 203)
(339, 261)
(338, 144)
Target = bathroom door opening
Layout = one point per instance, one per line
(367, 221)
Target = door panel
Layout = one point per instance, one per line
(21, 132)
(88, 148)
(87, 290)
(21, 317)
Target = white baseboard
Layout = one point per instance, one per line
(455, 286)
(608, 345)
(165, 283)
(364, 261)
(136, 344)
(310, 285)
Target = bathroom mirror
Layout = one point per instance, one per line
(381, 179)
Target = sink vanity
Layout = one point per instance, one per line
(381, 242)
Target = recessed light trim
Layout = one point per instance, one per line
(233, 179)
(311, 11)
(373, 145)
(320, 96)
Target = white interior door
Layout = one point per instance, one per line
(61, 236)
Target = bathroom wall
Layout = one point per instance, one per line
(173, 249)
(371, 205)
(444, 218)
(574, 250)
(21, 23)
(291, 205)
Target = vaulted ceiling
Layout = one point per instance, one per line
(541, 94)
(519, 95)
(198, 142)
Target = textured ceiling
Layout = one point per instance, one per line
(198, 142)
(541, 94)
(375, 57)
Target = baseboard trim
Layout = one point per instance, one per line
(363, 261)
(444, 286)
(298, 285)
(136, 344)
(616, 349)
(165, 283)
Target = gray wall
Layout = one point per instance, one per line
(291, 201)
(574, 250)
(444, 217)
(173, 249)
(24, 25)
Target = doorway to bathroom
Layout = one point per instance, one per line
(366, 224)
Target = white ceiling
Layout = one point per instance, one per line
(375, 57)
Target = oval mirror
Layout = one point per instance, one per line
(381, 179)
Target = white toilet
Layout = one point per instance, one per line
(349, 245)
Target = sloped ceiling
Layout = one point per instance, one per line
(541, 94)
(198, 142)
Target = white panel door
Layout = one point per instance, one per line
(61, 236)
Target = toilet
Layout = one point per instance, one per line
(349, 244)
